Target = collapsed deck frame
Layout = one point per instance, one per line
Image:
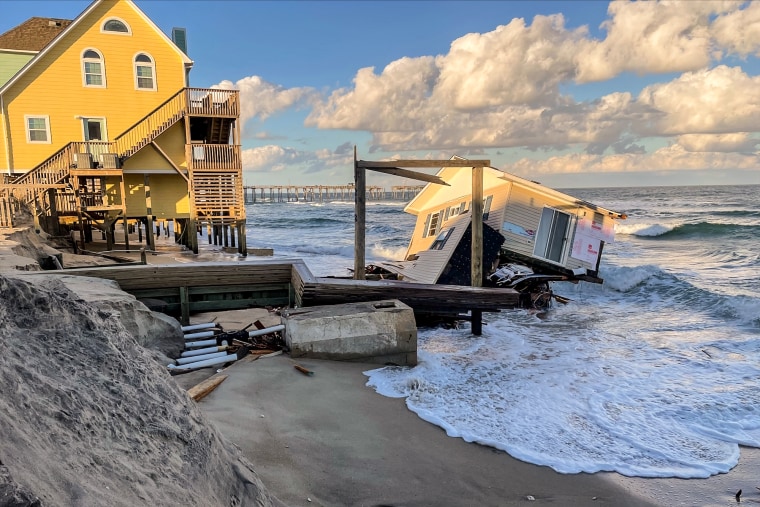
(185, 289)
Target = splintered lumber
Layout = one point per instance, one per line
(303, 370)
(421, 297)
(198, 391)
(261, 352)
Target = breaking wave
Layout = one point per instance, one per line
(701, 229)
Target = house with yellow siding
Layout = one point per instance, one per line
(98, 126)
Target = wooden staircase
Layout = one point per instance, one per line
(217, 177)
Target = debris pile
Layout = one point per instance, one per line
(208, 344)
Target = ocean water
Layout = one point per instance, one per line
(655, 373)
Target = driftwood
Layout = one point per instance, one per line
(199, 391)
(303, 370)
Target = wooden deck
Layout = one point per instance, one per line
(184, 289)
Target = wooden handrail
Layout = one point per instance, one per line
(162, 104)
(211, 101)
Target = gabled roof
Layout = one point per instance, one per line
(62, 34)
(33, 34)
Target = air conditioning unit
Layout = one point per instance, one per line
(83, 160)
(111, 161)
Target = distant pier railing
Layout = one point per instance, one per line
(321, 193)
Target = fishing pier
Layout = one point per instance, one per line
(320, 193)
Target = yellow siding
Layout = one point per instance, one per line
(53, 86)
(168, 192)
(171, 142)
(3, 158)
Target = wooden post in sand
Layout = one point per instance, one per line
(360, 183)
(150, 239)
(476, 266)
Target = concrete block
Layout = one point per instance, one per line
(374, 332)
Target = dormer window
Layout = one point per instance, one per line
(93, 74)
(145, 75)
(115, 25)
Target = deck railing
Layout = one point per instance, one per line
(187, 101)
(151, 126)
(9, 206)
(213, 102)
(213, 157)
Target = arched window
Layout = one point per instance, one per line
(115, 25)
(93, 72)
(145, 72)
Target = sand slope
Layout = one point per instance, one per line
(89, 418)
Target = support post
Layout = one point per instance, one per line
(184, 303)
(53, 225)
(242, 243)
(122, 191)
(476, 271)
(360, 205)
(150, 239)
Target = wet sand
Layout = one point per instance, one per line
(329, 440)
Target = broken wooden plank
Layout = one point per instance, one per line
(303, 370)
(199, 391)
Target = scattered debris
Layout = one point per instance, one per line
(199, 391)
(739, 496)
(303, 370)
(208, 344)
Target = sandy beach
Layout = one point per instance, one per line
(330, 440)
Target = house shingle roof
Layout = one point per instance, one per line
(33, 34)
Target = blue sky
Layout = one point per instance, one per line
(572, 94)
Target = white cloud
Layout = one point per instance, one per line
(739, 141)
(514, 64)
(671, 158)
(720, 100)
(738, 31)
(274, 158)
(502, 89)
(259, 98)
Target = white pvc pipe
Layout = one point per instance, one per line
(195, 327)
(267, 330)
(198, 352)
(202, 343)
(208, 362)
(193, 359)
(202, 334)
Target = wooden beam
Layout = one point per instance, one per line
(199, 391)
(476, 267)
(171, 162)
(396, 171)
(360, 185)
(366, 164)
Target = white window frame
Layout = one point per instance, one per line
(549, 236)
(152, 65)
(441, 239)
(29, 139)
(112, 32)
(102, 63)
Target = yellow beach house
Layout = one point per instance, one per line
(98, 126)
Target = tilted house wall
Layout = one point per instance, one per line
(514, 207)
